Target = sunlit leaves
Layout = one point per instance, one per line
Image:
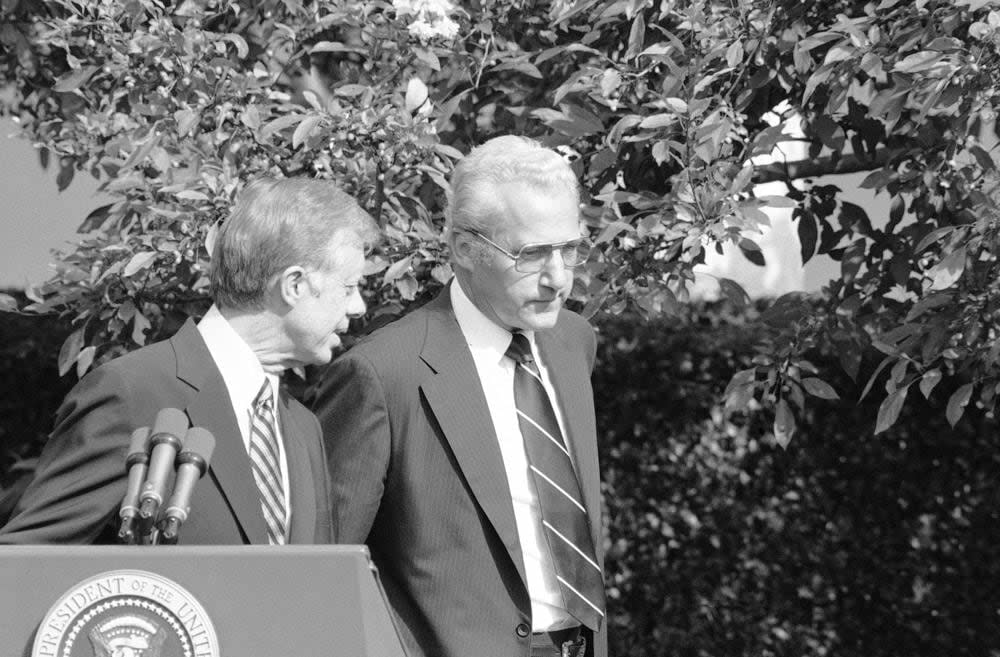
(662, 109)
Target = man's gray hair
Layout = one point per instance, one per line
(277, 223)
(474, 200)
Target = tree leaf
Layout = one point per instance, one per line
(734, 292)
(957, 403)
(738, 398)
(773, 201)
(139, 327)
(819, 388)
(877, 180)
(751, 251)
(929, 380)
(70, 350)
(416, 94)
(888, 411)
(396, 270)
(637, 36)
(808, 235)
(448, 109)
(427, 56)
(919, 61)
(351, 90)
(849, 355)
(74, 79)
(784, 423)
(192, 195)
(521, 66)
(186, 120)
(139, 262)
(85, 360)
(655, 121)
(932, 237)
(947, 272)
(983, 157)
(677, 105)
(829, 132)
(242, 49)
(816, 40)
(742, 378)
(305, 129)
(66, 173)
(407, 286)
(335, 46)
(280, 123)
(250, 117)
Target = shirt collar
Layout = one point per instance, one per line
(237, 363)
(481, 333)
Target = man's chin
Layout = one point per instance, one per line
(541, 321)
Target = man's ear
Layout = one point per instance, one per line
(464, 249)
(292, 285)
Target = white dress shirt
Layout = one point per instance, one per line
(488, 344)
(243, 376)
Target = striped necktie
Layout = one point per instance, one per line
(264, 462)
(564, 518)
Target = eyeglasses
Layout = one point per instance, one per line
(531, 258)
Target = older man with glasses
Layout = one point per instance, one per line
(461, 439)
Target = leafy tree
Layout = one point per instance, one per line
(663, 107)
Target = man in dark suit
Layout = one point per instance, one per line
(430, 439)
(285, 269)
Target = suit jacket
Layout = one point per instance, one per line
(81, 477)
(417, 475)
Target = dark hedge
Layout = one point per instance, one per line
(30, 387)
(844, 544)
(720, 542)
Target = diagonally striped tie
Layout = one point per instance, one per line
(567, 527)
(265, 466)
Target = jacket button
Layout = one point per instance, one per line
(522, 630)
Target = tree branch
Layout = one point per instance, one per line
(811, 168)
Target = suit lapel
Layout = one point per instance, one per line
(302, 488)
(456, 398)
(212, 409)
(571, 380)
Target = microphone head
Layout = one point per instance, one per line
(201, 442)
(140, 441)
(138, 449)
(170, 421)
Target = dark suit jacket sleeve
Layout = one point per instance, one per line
(352, 410)
(80, 478)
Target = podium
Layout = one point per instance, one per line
(211, 601)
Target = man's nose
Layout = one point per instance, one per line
(356, 304)
(555, 273)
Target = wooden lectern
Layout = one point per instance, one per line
(228, 601)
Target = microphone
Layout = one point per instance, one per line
(135, 466)
(170, 425)
(192, 463)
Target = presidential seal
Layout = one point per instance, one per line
(126, 613)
